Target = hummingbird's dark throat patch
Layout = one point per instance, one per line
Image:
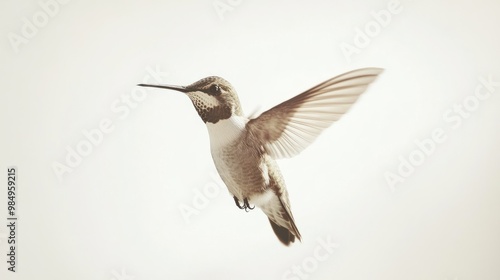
(212, 114)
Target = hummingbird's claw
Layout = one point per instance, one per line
(238, 203)
(246, 205)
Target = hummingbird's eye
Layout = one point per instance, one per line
(215, 89)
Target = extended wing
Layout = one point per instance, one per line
(288, 128)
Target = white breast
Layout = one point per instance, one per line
(222, 134)
(225, 132)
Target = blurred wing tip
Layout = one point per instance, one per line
(294, 124)
(374, 69)
(367, 71)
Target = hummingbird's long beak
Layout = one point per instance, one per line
(177, 88)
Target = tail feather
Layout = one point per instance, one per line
(281, 220)
(284, 235)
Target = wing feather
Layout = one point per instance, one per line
(288, 128)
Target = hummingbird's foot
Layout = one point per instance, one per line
(238, 203)
(246, 205)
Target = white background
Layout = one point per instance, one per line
(116, 215)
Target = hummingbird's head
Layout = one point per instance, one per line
(213, 98)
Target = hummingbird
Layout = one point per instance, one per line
(244, 150)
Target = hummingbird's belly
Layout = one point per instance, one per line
(242, 169)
